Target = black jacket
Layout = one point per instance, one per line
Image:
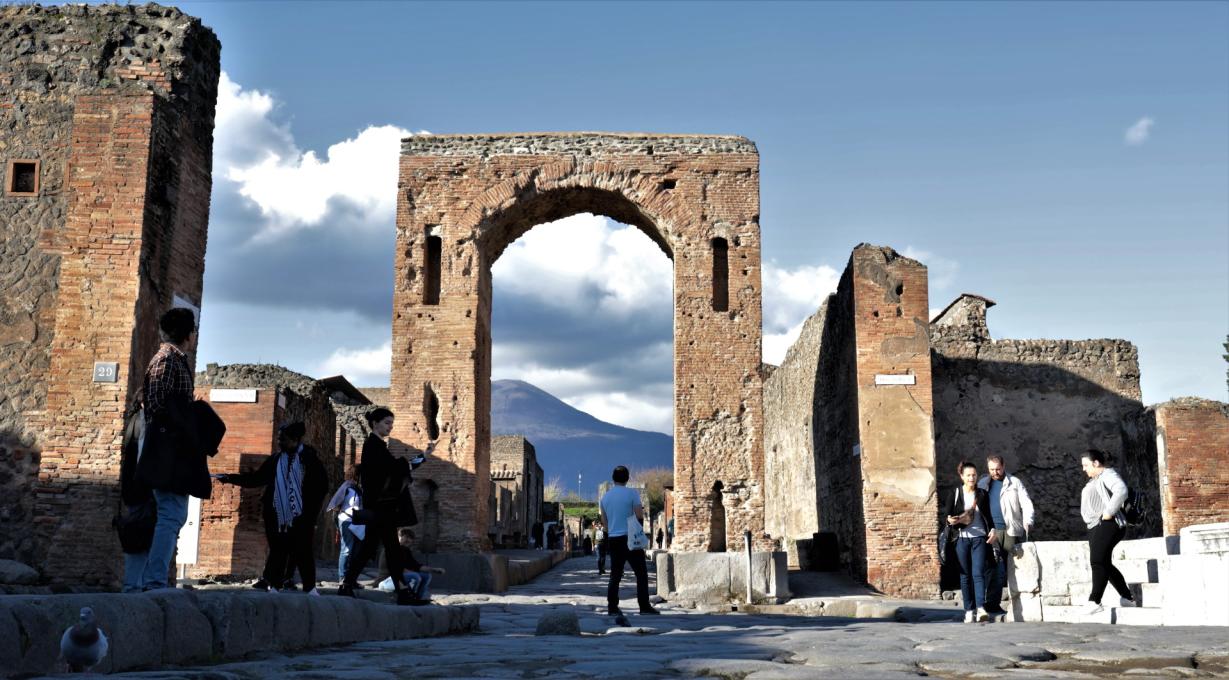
(386, 483)
(174, 458)
(955, 506)
(315, 486)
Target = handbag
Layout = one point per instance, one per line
(136, 527)
(636, 540)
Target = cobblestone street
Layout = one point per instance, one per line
(687, 644)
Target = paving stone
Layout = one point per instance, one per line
(558, 623)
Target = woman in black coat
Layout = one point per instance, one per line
(386, 504)
(968, 513)
(295, 484)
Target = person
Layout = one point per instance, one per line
(967, 509)
(295, 483)
(1101, 507)
(385, 481)
(601, 549)
(1011, 513)
(618, 505)
(346, 501)
(586, 545)
(169, 461)
(670, 532)
(661, 536)
(136, 527)
(416, 576)
(537, 536)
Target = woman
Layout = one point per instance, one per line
(969, 509)
(347, 500)
(383, 478)
(295, 483)
(1101, 507)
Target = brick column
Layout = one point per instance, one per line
(1193, 462)
(895, 425)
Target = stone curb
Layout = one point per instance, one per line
(173, 627)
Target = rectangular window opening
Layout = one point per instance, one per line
(431, 285)
(721, 275)
(22, 178)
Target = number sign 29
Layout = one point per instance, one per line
(106, 371)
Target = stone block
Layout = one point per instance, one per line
(1145, 548)
(242, 623)
(871, 609)
(1205, 538)
(722, 577)
(1027, 607)
(325, 614)
(133, 624)
(408, 623)
(17, 573)
(292, 621)
(470, 572)
(1138, 616)
(1138, 570)
(187, 633)
(1075, 614)
(558, 622)
(1061, 563)
(34, 645)
(351, 618)
(1196, 590)
(1148, 594)
(1025, 574)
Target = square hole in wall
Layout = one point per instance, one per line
(22, 178)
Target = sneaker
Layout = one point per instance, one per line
(1127, 602)
(969, 617)
(261, 585)
(649, 612)
(314, 592)
(982, 615)
(1093, 608)
(346, 590)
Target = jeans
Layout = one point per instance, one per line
(134, 571)
(619, 554)
(418, 582)
(172, 513)
(347, 546)
(1101, 542)
(996, 574)
(971, 553)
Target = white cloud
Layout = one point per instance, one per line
(628, 410)
(941, 271)
(360, 366)
(790, 297)
(1139, 132)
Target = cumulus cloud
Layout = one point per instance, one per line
(1139, 132)
(941, 271)
(361, 366)
(790, 297)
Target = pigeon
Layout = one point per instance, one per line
(84, 644)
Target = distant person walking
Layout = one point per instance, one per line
(1101, 507)
(618, 505)
(1011, 513)
(661, 536)
(295, 483)
(386, 505)
(169, 460)
(968, 510)
(600, 536)
(346, 501)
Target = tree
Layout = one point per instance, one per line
(552, 491)
(655, 481)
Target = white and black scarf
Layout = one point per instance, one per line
(288, 488)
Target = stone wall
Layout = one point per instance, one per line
(1040, 404)
(463, 199)
(1192, 442)
(516, 489)
(115, 104)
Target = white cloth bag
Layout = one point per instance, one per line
(636, 540)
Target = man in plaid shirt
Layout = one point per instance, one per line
(168, 387)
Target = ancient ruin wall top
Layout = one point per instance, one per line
(596, 144)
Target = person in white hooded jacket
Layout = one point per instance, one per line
(1011, 511)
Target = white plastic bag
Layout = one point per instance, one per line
(636, 540)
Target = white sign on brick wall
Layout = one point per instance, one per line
(222, 396)
(893, 379)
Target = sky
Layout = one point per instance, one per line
(1068, 160)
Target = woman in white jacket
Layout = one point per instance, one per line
(1101, 507)
(349, 497)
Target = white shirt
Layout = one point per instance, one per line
(619, 503)
(974, 529)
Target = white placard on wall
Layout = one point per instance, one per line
(893, 379)
(232, 396)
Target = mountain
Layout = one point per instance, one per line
(569, 441)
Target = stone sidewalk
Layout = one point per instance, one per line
(737, 645)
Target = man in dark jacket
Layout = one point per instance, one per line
(295, 483)
(170, 461)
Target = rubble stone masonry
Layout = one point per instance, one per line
(1192, 441)
(114, 105)
(463, 198)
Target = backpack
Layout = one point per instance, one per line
(1136, 509)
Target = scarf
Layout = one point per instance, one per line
(288, 489)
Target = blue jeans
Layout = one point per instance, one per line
(971, 553)
(347, 546)
(134, 571)
(172, 513)
(418, 583)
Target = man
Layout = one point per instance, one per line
(295, 482)
(169, 461)
(600, 537)
(1011, 511)
(618, 505)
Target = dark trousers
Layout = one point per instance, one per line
(620, 555)
(971, 552)
(1101, 541)
(601, 555)
(288, 549)
(996, 568)
(377, 535)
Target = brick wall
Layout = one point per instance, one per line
(116, 104)
(478, 194)
(890, 312)
(1193, 457)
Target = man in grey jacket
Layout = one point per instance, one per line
(1011, 511)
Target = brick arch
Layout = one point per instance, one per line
(464, 198)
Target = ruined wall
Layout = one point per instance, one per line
(1040, 404)
(115, 104)
(517, 490)
(791, 509)
(463, 199)
(1192, 442)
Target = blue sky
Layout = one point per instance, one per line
(988, 139)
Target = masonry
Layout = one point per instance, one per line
(516, 491)
(107, 120)
(1192, 442)
(463, 198)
